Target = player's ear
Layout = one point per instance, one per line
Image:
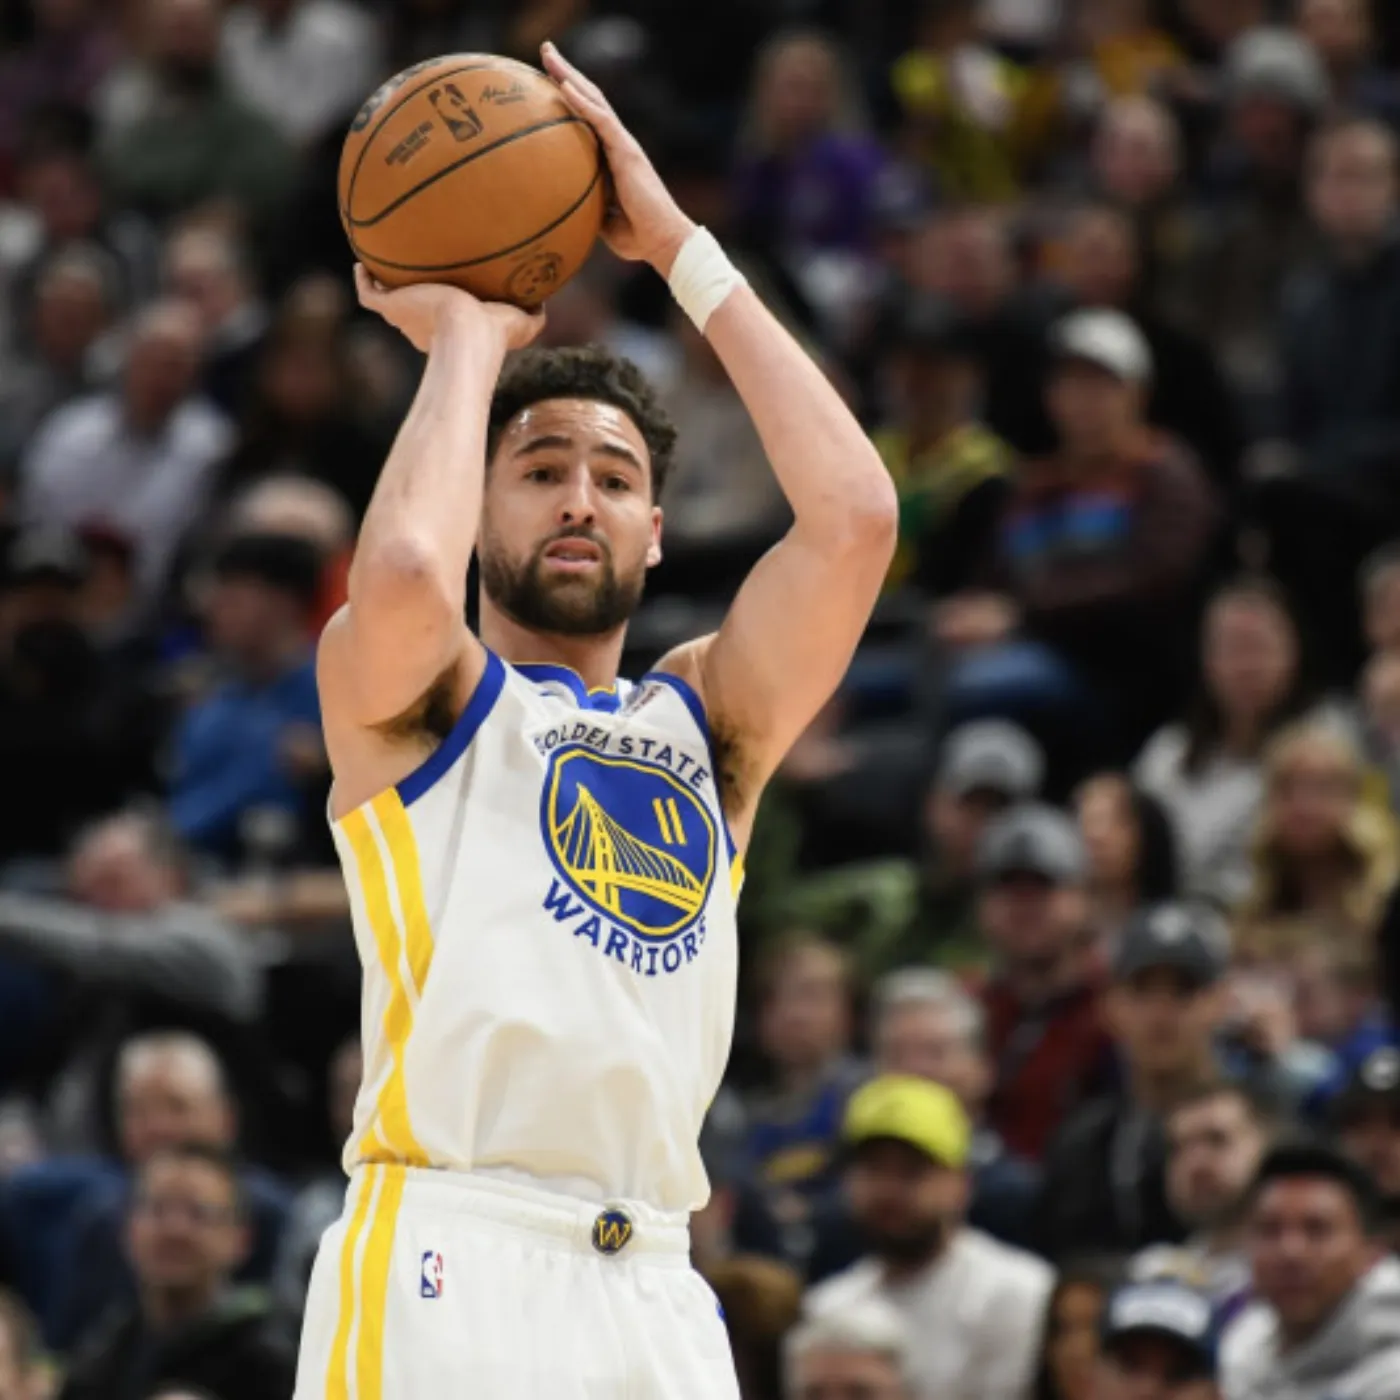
(654, 548)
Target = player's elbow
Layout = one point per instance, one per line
(871, 515)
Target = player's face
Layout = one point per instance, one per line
(568, 526)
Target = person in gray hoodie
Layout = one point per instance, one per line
(1326, 1321)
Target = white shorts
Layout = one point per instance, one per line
(448, 1286)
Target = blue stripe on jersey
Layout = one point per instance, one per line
(484, 697)
(696, 706)
(608, 700)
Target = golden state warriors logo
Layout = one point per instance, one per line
(611, 1231)
(631, 838)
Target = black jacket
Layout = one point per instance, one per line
(234, 1352)
(1104, 1189)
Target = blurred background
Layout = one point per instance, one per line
(1098, 838)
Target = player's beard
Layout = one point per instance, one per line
(567, 605)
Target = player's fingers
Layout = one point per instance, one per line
(561, 70)
(368, 290)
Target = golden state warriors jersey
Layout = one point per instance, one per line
(545, 913)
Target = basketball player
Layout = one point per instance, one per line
(544, 860)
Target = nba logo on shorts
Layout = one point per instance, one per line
(430, 1283)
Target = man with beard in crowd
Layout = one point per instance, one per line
(973, 1307)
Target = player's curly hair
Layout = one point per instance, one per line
(585, 372)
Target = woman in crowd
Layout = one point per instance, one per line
(1070, 1346)
(1325, 854)
(1206, 770)
(1131, 847)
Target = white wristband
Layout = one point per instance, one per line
(702, 276)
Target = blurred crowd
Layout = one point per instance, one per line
(1067, 1064)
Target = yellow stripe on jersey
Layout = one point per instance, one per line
(403, 856)
(736, 876)
(337, 1373)
(391, 1111)
(369, 1344)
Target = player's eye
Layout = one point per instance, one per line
(616, 483)
(541, 475)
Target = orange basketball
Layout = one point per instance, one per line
(471, 169)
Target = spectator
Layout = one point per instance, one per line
(22, 1375)
(1379, 585)
(973, 1308)
(1131, 849)
(958, 102)
(1043, 1029)
(1207, 769)
(141, 459)
(298, 413)
(1216, 1139)
(170, 1090)
(304, 65)
(1343, 36)
(1105, 1185)
(1332, 498)
(206, 268)
(1096, 602)
(1100, 266)
(1323, 855)
(1069, 1349)
(1159, 1343)
(79, 732)
(194, 141)
(1366, 1117)
(761, 1301)
(64, 206)
(73, 48)
(807, 172)
(805, 1024)
(251, 749)
(1274, 91)
(1325, 1320)
(860, 1351)
(909, 912)
(72, 307)
(951, 472)
(1337, 1006)
(309, 510)
(1136, 165)
(1380, 721)
(926, 1026)
(186, 1235)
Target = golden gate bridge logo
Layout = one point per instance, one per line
(631, 838)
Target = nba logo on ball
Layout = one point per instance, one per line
(430, 1284)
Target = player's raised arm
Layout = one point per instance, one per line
(404, 625)
(790, 635)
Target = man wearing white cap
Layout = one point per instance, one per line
(1100, 548)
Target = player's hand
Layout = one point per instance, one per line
(419, 312)
(645, 224)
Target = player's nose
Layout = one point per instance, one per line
(577, 505)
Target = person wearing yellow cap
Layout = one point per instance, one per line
(973, 1307)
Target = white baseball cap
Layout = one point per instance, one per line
(1107, 339)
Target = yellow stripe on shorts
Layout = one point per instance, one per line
(391, 1111)
(374, 1292)
(337, 1374)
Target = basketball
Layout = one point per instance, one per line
(471, 169)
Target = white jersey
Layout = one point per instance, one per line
(545, 912)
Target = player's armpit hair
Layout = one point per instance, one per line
(432, 715)
(585, 372)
